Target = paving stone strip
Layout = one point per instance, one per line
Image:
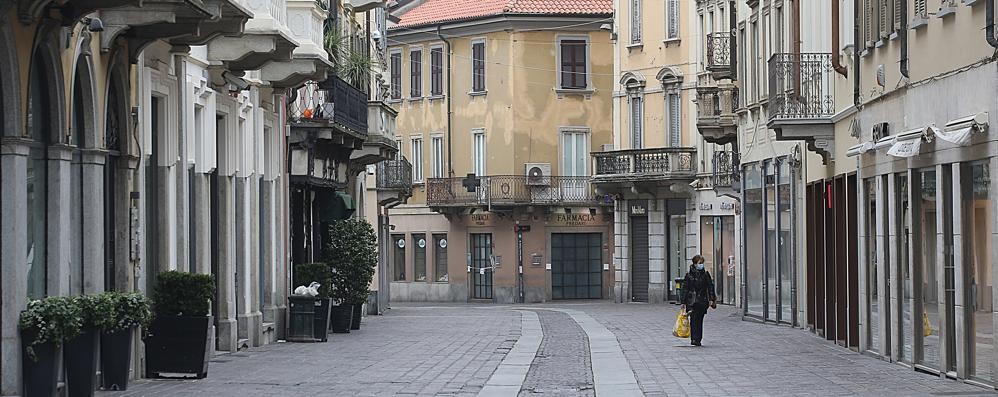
(612, 374)
(509, 376)
(562, 366)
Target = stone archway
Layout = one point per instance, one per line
(85, 209)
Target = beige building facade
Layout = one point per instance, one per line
(498, 110)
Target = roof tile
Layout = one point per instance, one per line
(438, 11)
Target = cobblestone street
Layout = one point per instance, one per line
(553, 350)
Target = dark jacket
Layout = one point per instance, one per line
(698, 288)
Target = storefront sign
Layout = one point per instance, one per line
(480, 219)
(728, 206)
(578, 219)
(706, 206)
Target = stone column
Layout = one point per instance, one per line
(255, 253)
(182, 216)
(268, 245)
(59, 232)
(245, 316)
(657, 251)
(227, 327)
(201, 216)
(93, 220)
(13, 251)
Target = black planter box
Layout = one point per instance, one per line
(80, 360)
(116, 359)
(357, 314)
(301, 321)
(322, 310)
(340, 318)
(41, 374)
(178, 345)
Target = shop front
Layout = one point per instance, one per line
(718, 245)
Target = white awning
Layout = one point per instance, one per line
(958, 136)
(884, 142)
(859, 149)
(905, 148)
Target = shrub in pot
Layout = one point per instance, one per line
(179, 339)
(130, 310)
(80, 353)
(352, 253)
(305, 274)
(44, 325)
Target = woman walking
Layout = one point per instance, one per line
(698, 295)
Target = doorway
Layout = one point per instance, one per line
(717, 240)
(639, 259)
(481, 260)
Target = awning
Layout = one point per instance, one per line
(906, 148)
(957, 136)
(884, 142)
(859, 149)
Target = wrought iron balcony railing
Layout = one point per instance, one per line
(645, 163)
(726, 169)
(394, 175)
(331, 101)
(512, 190)
(719, 54)
(801, 87)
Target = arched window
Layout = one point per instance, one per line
(635, 84)
(40, 128)
(672, 80)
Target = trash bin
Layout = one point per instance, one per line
(678, 283)
(301, 325)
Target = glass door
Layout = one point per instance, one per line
(481, 259)
(677, 246)
(927, 283)
(574, 158)
(978, 286)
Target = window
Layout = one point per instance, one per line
(440, 257)
(417, 160)
(637, 119)
(415, 73)
(742, 68)
(396, 83)
(419, 257)
(478, 66)
(436, 71)
(920, 9)
(673, 103)
(574, 59)
(778, 40)
(673, 18)
(398, 154)
(438, 156)
(635, 21)
(756, 56)
(398, 242)
(479, 152)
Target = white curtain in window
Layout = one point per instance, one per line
(438, 157)
(479, 154)
(417, 159)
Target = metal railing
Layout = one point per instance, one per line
(645, 162)
(726, 168)
(506, 190)
(394, 175)
(718, 51)
(801, 86)
(333, 100)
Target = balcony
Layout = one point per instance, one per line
(624, 170)
(512, 191)
(716, 118)
(332, 104)
(802, 99)
(726, 174)
(393, 181)
(719, 55)
(380, 142)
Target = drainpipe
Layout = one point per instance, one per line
(450, 111)
(989, 28)
(855, 55)
(903, 35)
(836, 45)
(796, 27)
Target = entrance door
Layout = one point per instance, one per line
(481, 263)
(677, 257)
(639, 259)
(576, 266)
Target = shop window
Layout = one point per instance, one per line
(440, 258)
(977, 219)
(873, 308)
(419, 257)
(754, 241)
(902, 222)
(928, 283)
(398, 244)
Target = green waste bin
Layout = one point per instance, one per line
(301, 325)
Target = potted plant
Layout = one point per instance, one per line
(305, 274)
(80, 353)
(131, 310)
(179, 339)
(44, 325)
(352, 253)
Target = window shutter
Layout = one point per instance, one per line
(415, 73)
(674, 120)
(868, 22)
(885, 18)
(478, 65)
(579, 69)
(896, 15)
(673, 19)
(920, 9)
(635, 21)
(436, 71)
(636, 121)
(396, 75)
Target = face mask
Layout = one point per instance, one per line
(699, 266)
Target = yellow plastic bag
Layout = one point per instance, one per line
(926, 325)
(682, 327)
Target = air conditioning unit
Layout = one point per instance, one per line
(538, 174)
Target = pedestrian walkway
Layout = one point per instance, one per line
(588, 349)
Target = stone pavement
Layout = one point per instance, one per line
(454, 350)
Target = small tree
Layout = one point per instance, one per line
(352, 257)
(183, 294)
